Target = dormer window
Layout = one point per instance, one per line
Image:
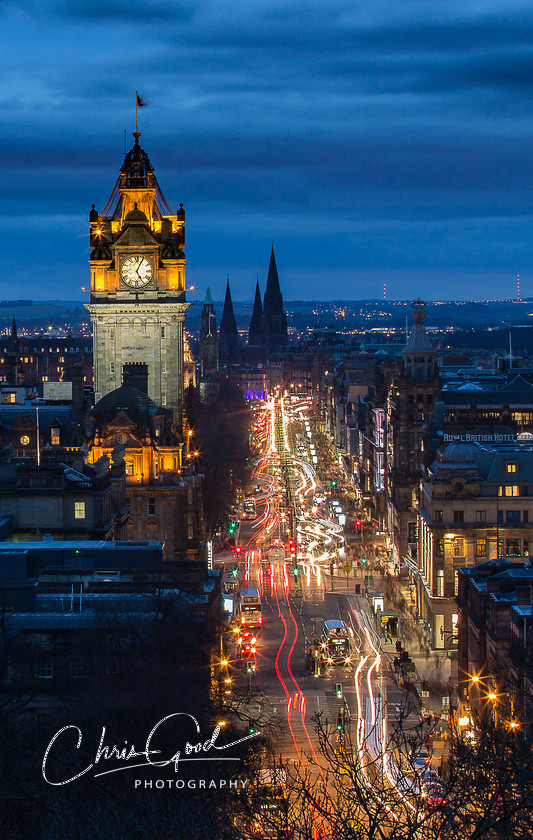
(512, 466)
(54, 436)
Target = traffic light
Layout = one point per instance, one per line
(237, 549)
(251, 727)
(333, 482)
(235, 571)
(338, 690)
(363, 561)
(340, 723)
(358, 525)
(295, 570)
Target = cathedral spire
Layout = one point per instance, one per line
(254, 333)
(228, 334)
(274, 322)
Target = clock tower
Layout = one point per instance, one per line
(137, 304)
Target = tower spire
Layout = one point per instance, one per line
(228, 340)
(274, 322)
(254, 333)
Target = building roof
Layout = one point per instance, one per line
(134, 403)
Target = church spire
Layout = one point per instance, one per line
(228, 338)
(254, 333)
(274, 323)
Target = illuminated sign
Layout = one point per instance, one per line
(472, 438)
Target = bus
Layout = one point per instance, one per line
(276, 552)
(248, 509)
(335, 641)
(249, 607)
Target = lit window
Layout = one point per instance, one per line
(458, 547)
(12, 398)
(163, 367)
(79, 510)
(481, 548)
(163, 399)
(54, 436)
(129, 467)
(509, 490)
(440, 583)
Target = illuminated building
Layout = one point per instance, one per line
(137, 302)
(163, 493)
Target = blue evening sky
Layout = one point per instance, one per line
(373, 141)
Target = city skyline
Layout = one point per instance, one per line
(398, 133)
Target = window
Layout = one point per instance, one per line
(440, 583)
(456, 582)
(458, 516)
(163, 332)
(129, 467)
(112, 333)
(508, 490)
(44, 670)
(190, 528)
(512, 516)
(151, 506)
(481, 548)
(79, 510)
(54, 436)
(78, 666)
(513, 548)
(163, 399)
(163, 367)
(525, 516)
(439, 547)
(526, 548)
(439, 516)
(458, 547)
(512, 467)
(481, 515)
(111, 367)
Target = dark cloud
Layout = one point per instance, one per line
(385, 137)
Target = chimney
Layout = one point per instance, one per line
(135, 374)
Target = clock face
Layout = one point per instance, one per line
(136, 271)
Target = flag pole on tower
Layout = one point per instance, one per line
(139, 103)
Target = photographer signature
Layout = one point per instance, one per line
(128, 752)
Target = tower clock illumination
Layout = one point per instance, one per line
(136, 271)
(138, 304)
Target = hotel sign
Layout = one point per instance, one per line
(475, 438)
